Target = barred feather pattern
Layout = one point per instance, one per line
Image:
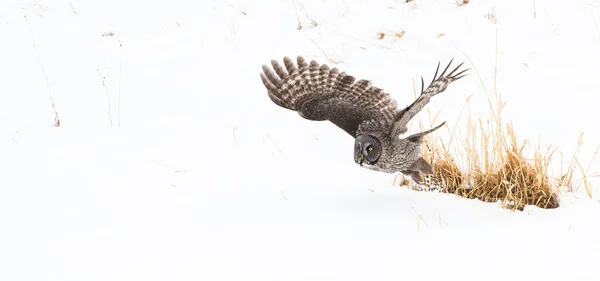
(318, 92)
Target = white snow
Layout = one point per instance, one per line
(202, 177)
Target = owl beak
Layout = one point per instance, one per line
(361, 159)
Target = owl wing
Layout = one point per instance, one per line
(438, 85)
(319, 93)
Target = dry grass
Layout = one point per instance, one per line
(390, 33)
(497, 171)
(43, 69)
(461, 3)
(489, 163)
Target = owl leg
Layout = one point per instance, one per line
(414, 175)
(421, 165)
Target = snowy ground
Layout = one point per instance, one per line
(201, 177)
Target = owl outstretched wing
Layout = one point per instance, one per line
(438, 84)
(320, 93)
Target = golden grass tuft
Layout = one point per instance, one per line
(491, 165)
(503, 174)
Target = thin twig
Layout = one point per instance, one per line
(312, 21)
(37, 53)
(120, 78)
(595, 25)
(234, 136)
(109, 111)
(592, 161)
(325, 54)
(72, 7)
(297, 16)
(440, 220)
(420, 216)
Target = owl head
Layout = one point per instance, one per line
(367, 149)
(378, 152)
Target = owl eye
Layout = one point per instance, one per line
(370, 148)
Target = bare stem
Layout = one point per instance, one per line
(37, 53)
(120, 78)
(109, 110)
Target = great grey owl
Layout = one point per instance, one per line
(367, 113)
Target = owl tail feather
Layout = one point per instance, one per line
(418, 137)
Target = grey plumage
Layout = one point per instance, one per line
(318, 92)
